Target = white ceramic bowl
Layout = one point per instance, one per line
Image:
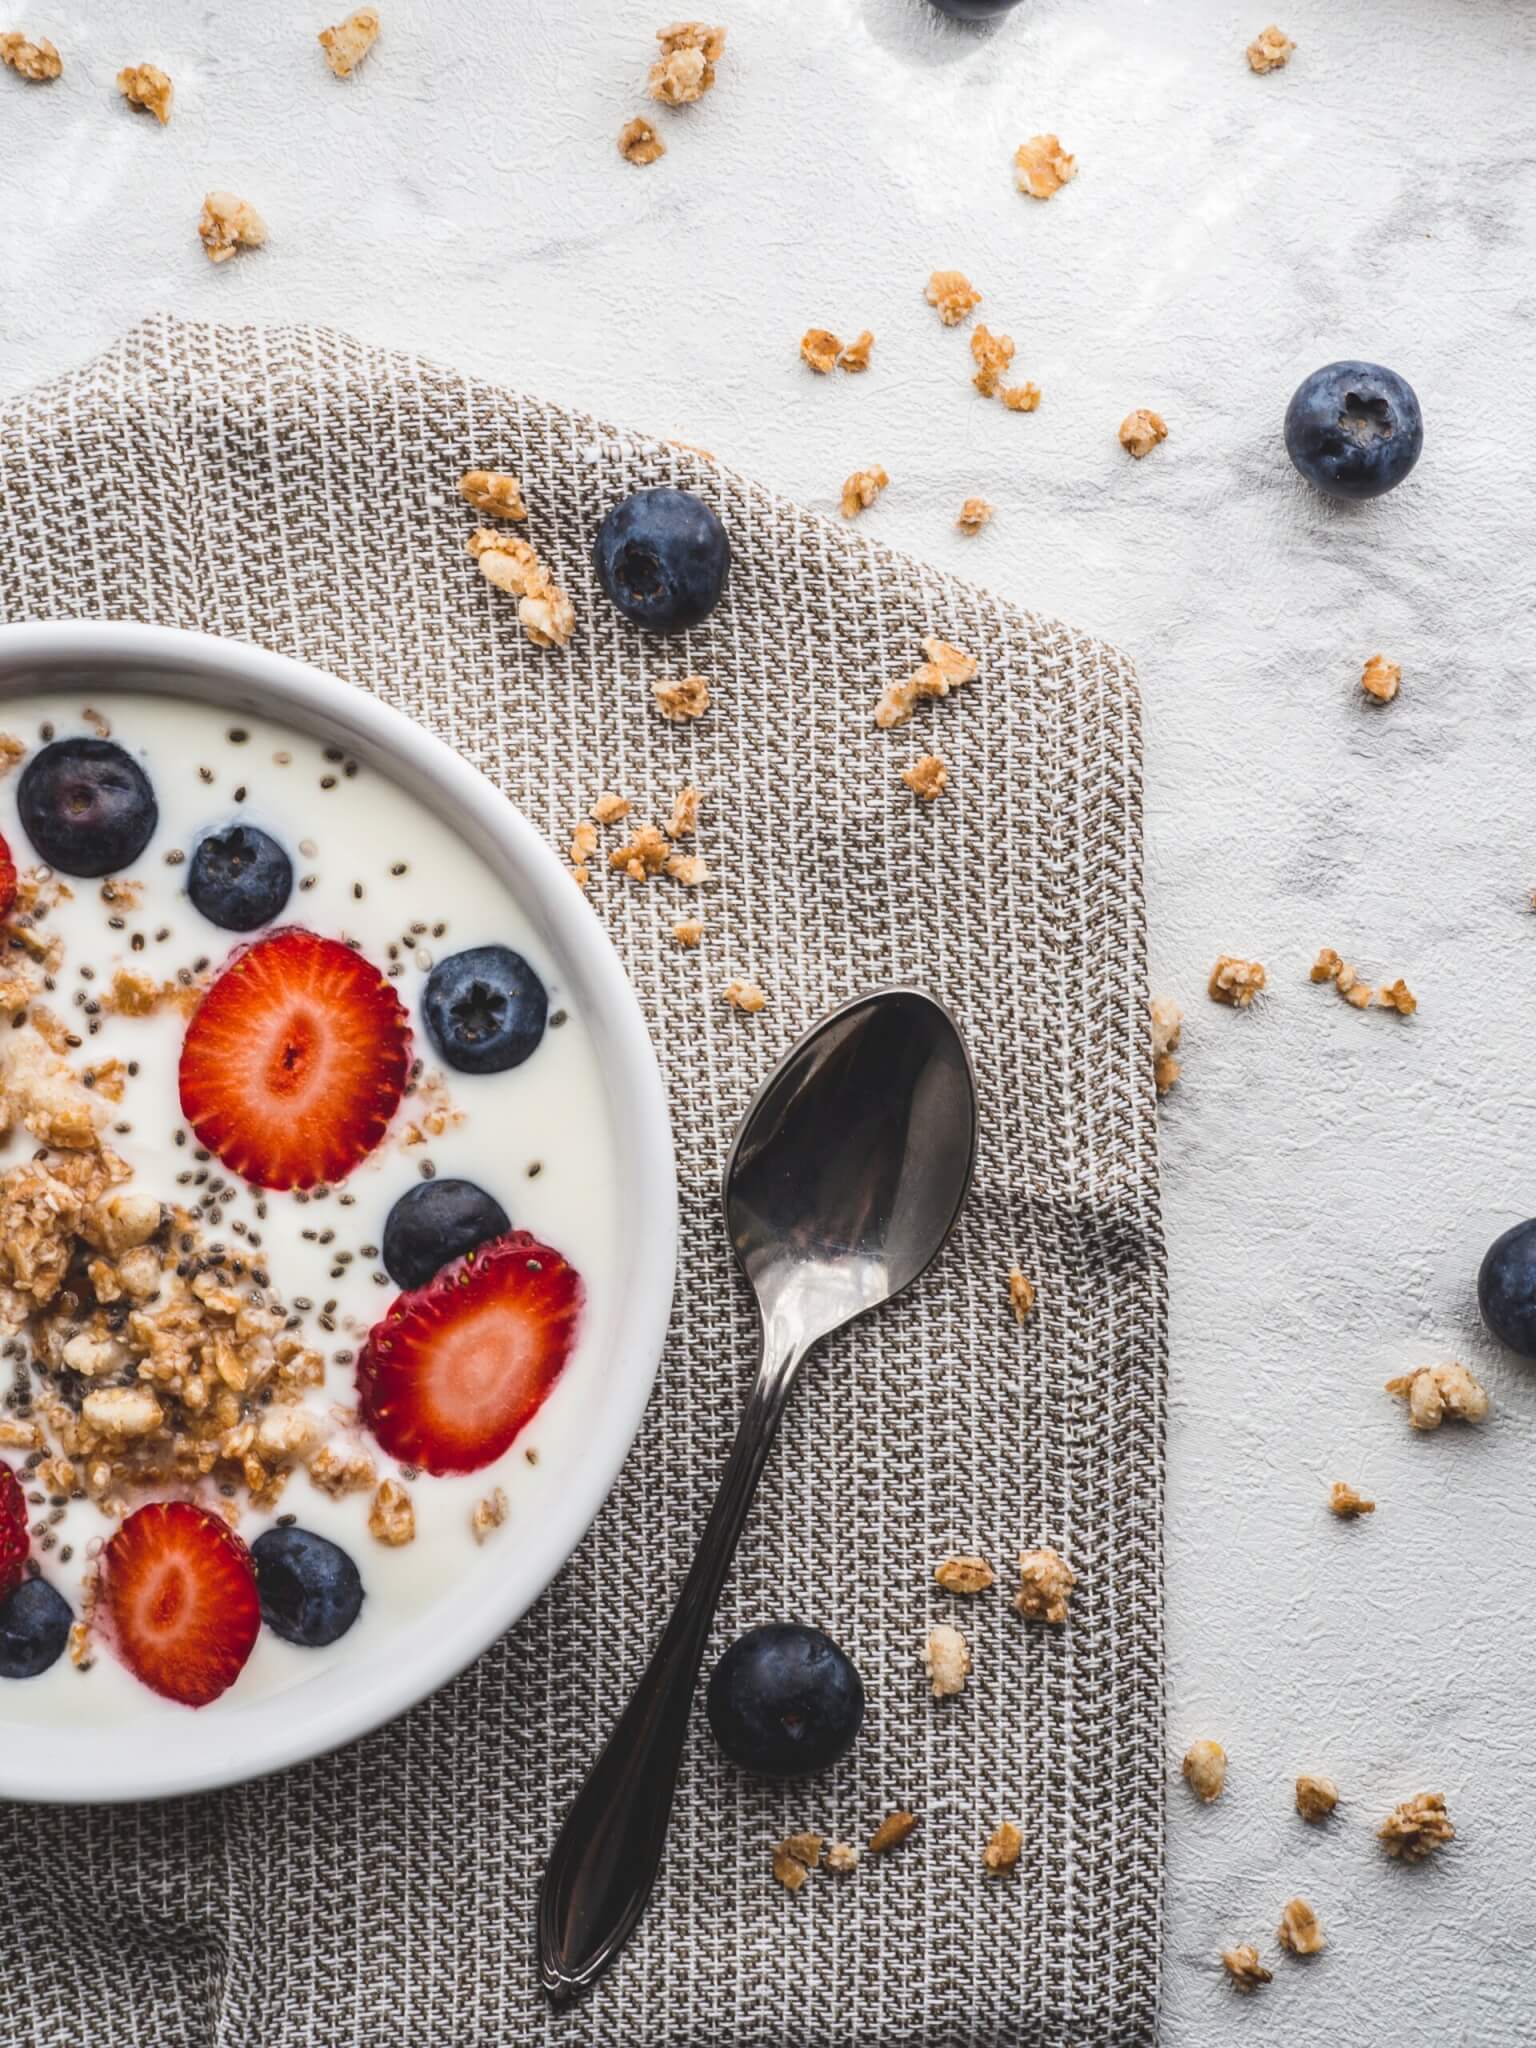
(236, 1740)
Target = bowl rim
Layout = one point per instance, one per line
(192, 1751)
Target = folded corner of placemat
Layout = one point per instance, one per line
(298, 488)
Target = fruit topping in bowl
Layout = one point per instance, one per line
(240, 878)
(87, 806)
(436, 1222)
(180, 1599)
(311, 1592)
(485, 1009)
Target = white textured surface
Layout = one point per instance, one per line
(1332, 1178)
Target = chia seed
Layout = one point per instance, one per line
(427, 1170)
(175, 857)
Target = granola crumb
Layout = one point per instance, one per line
(1417, 1827)
(1269, 50)
(1299, 1930)
(1003, 1849)
(12, 750)
(146, 86)
(1205, 1770)
(348, 43)
(545, 612)
(991, 353)
(494, 492)
(947, 1660)
(820, 348)
(893, 1830)
(945, 669)
(1346, 1503)
(1041, 166)
(745, 996)
(1021, 1294)
(639, 143)
(1021, 397)
(1141, 430)
(643, 856)
(973, 515)
(1381, 678)
(488, 1514)
(685, 70)
(682, 700)
(1316, 1797)
(1235, 982)
(1329, 967)
(1045, 1586)
(854, 356)
(1244, 1968)
(964, 1574)
(39, 61)
(861, 490)
(1397, 996)
(927, 777)
(952, 295)
(684, 821)
(228, 223)
(691, 869)
(391, 1517)
(794, 1859)
(1434, 1391)
(1167, 1029)
(609, 808)
(688, 931)
(842, 1857)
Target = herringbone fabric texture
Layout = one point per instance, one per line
(293, 488)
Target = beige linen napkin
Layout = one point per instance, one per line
(294, 488)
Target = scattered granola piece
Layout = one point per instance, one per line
(1021, 1294)
(38, 61)
(1435, 1391)
(1244, 1968)
(227, 224)
(745, 996)
(1315, 1797)
(897, 703)
(894, 1829)
(690, 869)
(583, 846)
(639, 143)
(488, 1514)
(795, 1858)
(991, 353)
(609, 808)
(684, 700)
(1269, 50)
(12, 750)
(1348, 1505)
(952, 294)
(685, 70)
(494, 492)
(348, 43)
(842, 1857)
(688, 931)
(1299, 1930)
(945, 669)
(947, 1660)
(644, 856)
(146, 86)
(1021, 397)
(861, 490)
(1381, 679)
(854, 356)
(820, 348)
(1417, 1827)
(1398, 997)
(684, 821)
(1003, 1850)
(974, 514)
(547, 615)
(1141, 430)
(1205, 1769)
(1167, 1029)
(964, 1574)
(1041, 166)
(1045, 1586)
(1329, 967)
(926, 777)
(391, 1517)
(1235, 982)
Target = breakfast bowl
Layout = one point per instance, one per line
(324, 1331)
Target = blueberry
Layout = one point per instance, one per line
(1354, 429)
(86, 806)
(35, 1621)
(784, 1701)
(240, 878)
(1506, 1288)
(309, 1588)
(437, 1221)
(485, 1009)
(663, 557)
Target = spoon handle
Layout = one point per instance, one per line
(605, 1859)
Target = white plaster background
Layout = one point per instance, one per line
(1331, 1178)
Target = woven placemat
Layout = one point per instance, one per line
(296, 489)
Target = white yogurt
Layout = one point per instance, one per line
(536, 1137)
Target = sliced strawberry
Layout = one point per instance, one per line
(458, 1367)
(295, 1060)
(181, 1601)
(15, 1542)
(7, 880)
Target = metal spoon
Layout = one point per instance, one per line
(846, 1177)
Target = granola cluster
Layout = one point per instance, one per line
(1316, 1797)
(546, 614)
(947, 1661)
(1244, 1968)
(39, 60)
(1021, 1294)
(1417, 1827)
(681, 701)
(964, 1574)
(1235, 982)
(945, 669)
(1299, 1931)
(823, 352)
(639, 143)
(1045, 1586)
(147, 86)
(952, 296)
(926, 777)
(745, 996)
(685, 69)
(1167, 1029)
(1346, 1503)
(1003, 1850)
(1205, 1770)
(1041, 166)
(1269, 50)
(861, 489)
(1141, 430)
(228, 223)
(1433, 1392)
(973, 515)
(348, 43)
(494, 492)
(1357, 993)
(1381, 678)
